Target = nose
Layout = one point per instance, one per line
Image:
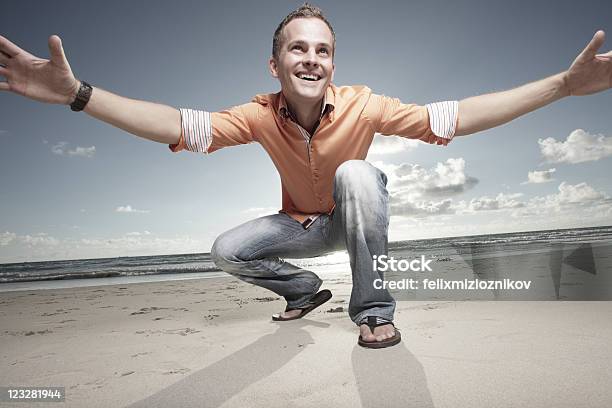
(310, 58)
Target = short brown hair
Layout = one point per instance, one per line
(306, 10)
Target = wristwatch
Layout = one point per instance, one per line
(82, 97)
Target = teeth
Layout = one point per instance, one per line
(308, 77)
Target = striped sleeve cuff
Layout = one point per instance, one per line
(197, 130)
(443, 118)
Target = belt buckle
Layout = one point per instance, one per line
(308, 222)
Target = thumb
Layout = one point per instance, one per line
(596, 43)
(57, 51)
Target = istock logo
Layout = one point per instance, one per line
(384, 263)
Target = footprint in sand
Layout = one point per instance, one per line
(144, 353)
(99, 383)
(27, 332)
(176, 371)
(31, 333)
(162, 318)
(146, 310)
(57, 312)
(182, 332)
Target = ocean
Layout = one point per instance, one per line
(19, 276)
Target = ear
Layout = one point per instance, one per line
(273, 66)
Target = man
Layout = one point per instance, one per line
(317, 135)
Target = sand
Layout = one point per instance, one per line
(211, 343)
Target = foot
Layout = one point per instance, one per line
(290, 314)
(316, 301)
(380, 333)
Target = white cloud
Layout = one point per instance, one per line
(7, 237)
(138, 234)
(580, 193)
(500, 202)
(420, 209)
(59, 148)
(34, 240)
(418, 192)
(41, 246)
(412, 180)
(536, 177)
(577, 200)
(62, 149)
(141, 244)
(391, 144)
(39, 239)
(580, 146)
(129, 209)
(83, 151)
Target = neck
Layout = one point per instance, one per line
(306, 114)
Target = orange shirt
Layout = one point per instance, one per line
(307, 164)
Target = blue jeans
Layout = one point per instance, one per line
(253, 251)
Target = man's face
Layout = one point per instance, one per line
(305, 63)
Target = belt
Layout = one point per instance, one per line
(309, 221)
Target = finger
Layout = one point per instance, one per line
(607, 54)
(3, 72)
(4, 59)
(57, 51)
(8, 47)
(591, 49)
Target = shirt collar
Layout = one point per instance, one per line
(327, 107)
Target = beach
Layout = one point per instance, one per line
(211, 343)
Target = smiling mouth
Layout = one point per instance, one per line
(308, 77)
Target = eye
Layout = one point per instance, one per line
(324, 50)
(297, 47)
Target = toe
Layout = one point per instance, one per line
(380, 333)
(366, 334)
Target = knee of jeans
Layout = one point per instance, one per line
(358, 173)
(223, 254)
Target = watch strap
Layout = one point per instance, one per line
(82, 97)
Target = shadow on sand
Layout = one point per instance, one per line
(393, 375)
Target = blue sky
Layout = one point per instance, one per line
(73, 187)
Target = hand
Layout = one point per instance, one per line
(43, 80)
(590, 72)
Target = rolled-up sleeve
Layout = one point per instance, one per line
(434, 123)
(196, 131)
(206, 132)
(443, 118)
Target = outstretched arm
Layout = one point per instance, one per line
(589, 73)
(52, 81)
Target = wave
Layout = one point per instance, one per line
(110, 273)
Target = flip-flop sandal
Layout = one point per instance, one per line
(392, 341)
(316, 301)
